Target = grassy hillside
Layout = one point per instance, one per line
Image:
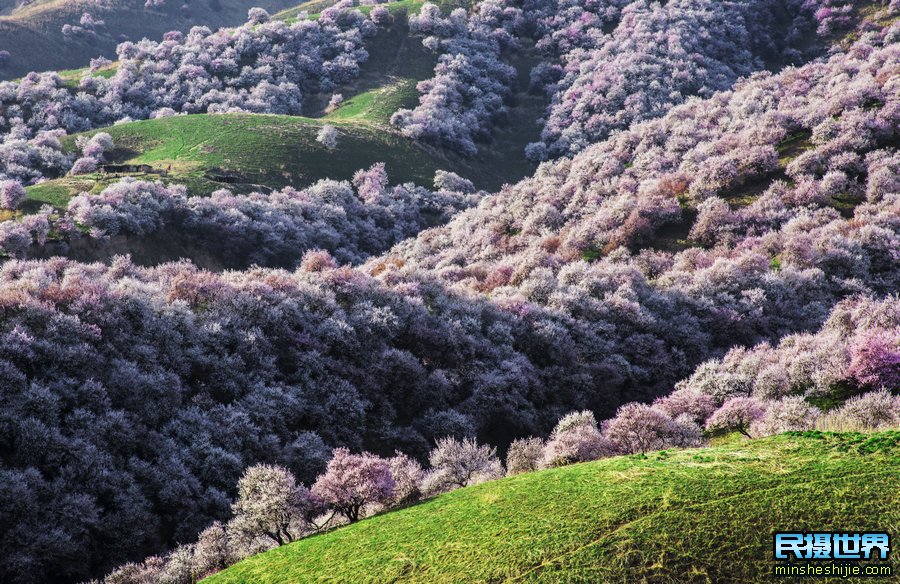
(704, 515)
(263, 150)
(31, 32)
(257, 151)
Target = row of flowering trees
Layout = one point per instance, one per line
(857, 347)
(87, 27)
(349, 222)
(25, 158)
(273, 509)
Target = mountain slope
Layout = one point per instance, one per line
(684, 516)
(277, 151)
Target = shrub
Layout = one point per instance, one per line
(873, 410)
(875, 361)
(408, 476)
(639, 428)
(147, 572)
(713, 222)
(179, 566)
(579, 444)
(336, 100)
(317, 260)
(14, 237)
(84, 165)
(576, 438)
(212, 552)
(381, 16)
(257, 15)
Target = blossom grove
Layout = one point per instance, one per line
(710, 245)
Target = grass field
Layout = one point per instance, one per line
(265, 150)
(704, 515)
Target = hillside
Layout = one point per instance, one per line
(263, 152)
(258, 150)
(672, 516)
(709, 245)
(32, 32)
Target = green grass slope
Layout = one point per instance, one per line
(264, 150)
(259, 151)
(704, 515)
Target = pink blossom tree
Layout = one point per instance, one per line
(84, 165)
(873, 410)
(875, 361)
(460, 463)
(640, 428)
(576, 438)
(698, 406)
(353, 481)
(271, 504)
(785, 415)
(12, 194)
(736, 414)
(328, 137)
(14, 237)
(524, 455)
(381, 16)
(212, 552)
(407, 474)
(257, 15)
(317, 260)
